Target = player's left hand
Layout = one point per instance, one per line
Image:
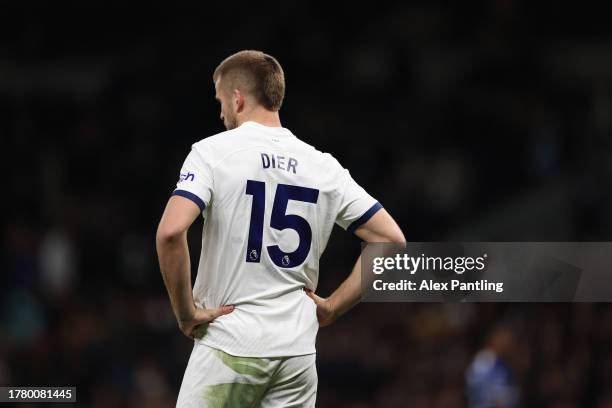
(195, 326)
(325, 311)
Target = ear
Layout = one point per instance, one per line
(238, 99)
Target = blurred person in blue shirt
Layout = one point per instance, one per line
(490, 381)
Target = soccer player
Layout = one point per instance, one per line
(490, 378)
(269, 203)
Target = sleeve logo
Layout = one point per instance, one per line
(189, 176)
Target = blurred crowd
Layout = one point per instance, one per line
(488, 122)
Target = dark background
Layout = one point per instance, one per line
(482, 122)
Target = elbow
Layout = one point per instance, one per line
(168, 236)
(397, 237)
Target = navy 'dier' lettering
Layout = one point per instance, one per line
(271, 161)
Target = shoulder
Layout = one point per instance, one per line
(217, 140)
(328, 161)
(216, 146)
(327, 165)
(321, 158)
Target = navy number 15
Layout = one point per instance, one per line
(279, 221)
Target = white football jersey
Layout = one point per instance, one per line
(269, 203)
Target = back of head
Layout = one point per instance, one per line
(254, 73)
(502, 339)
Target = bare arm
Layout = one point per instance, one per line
(380, 228)
(173, 254)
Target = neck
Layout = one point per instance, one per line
(263, 117)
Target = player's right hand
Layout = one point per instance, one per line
(195, 326)
(325, 312)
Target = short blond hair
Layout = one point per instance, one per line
(258, 73)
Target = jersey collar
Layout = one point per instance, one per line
(273, 129)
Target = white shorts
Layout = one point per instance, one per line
(214, 379)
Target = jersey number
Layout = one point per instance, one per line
(279, 221)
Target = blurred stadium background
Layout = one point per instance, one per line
(488, 121)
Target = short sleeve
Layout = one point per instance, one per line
(195, 180)
(356, 207)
